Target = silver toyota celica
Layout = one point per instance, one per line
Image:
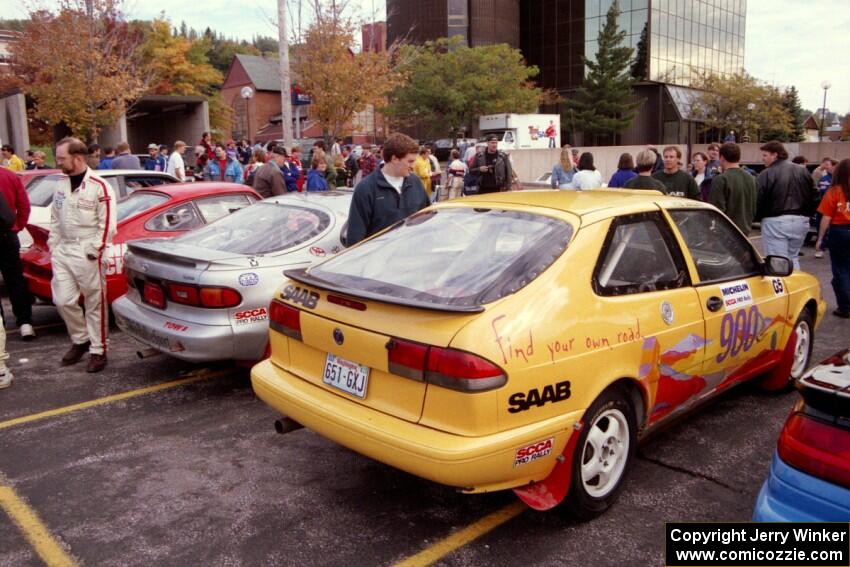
(205, 295)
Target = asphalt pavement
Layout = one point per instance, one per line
(160, 462)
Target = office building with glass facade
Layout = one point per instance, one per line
(680, 40)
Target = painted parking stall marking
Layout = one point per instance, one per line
(197, 376)
(32, 528)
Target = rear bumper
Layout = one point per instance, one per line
(181, 339)
(473, 464)
(790, 495)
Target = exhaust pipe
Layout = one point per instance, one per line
(147, 353)
(286, 425)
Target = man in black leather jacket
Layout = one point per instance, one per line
(786, 200)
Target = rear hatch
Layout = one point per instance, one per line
(183, 272)
(375, 323)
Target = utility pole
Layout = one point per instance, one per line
(285, 83)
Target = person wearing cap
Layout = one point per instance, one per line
(269, 178)
(492, 167)
(155, 162)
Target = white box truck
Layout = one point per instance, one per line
(521, 131)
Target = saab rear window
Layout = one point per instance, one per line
(260, 229)
(138, 203)
(459, 256)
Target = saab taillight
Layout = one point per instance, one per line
(463, 371)
(285, 319)
(407, 359)
(817, 448)
(446, 367)
(219, 297)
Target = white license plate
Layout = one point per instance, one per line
(345, 375)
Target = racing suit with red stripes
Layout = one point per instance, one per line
(82, 224)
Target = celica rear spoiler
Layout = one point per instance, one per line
(301, 275)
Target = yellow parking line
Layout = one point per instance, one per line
(458, 539)
(204, 374)
(34, 529)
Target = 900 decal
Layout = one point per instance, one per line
(740, 331)
(308, 299)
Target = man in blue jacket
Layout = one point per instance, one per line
(389, 194)
(223, 168)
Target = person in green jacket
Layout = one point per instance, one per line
(734, 191)
(644, 180)
(677, 182)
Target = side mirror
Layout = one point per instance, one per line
(778, 266)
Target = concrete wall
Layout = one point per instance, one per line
(14, 129)
(530, 164)
(814, 151)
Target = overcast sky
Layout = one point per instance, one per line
(788, 42)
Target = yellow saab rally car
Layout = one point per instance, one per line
(527, 340)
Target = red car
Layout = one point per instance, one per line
(162, 211)
(28, 175)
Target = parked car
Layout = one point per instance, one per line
(123, 181)
(809, 479)
(29, 175)
(528, 340)
(205, 295)
(163, 211)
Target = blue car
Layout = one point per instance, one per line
(809, 477)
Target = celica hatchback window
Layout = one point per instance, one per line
(139, 203)
(459, 256)
(260, 229)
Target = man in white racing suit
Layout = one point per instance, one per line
(82, 224)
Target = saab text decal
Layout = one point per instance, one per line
(295, 294)
(551, 393)
(251, 316)
(529, 453)
(736, 294)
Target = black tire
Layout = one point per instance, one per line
(804, 324)
(588, 499)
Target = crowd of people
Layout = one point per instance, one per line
(784, 197)
(390, 183)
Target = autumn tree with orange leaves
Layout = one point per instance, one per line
(79, 66)
(339, 80)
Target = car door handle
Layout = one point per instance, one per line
(714, 303)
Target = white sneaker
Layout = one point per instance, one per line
(6, 379)
(818, 253)
(27, 332)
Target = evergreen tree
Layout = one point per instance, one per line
(603, 105)
(640, 66)
(791, 102)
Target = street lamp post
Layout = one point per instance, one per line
(825, 86)
(246, 93)
(750, 107)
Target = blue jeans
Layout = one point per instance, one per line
(784, 236)
(839, 256)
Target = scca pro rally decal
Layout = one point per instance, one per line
(529, 453)
(551, 393)
(295, 294)
(736, 294)
(251, 316)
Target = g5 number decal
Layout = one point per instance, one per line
(740, 330)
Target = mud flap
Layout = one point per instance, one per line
(777, 378)
(552, 490)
